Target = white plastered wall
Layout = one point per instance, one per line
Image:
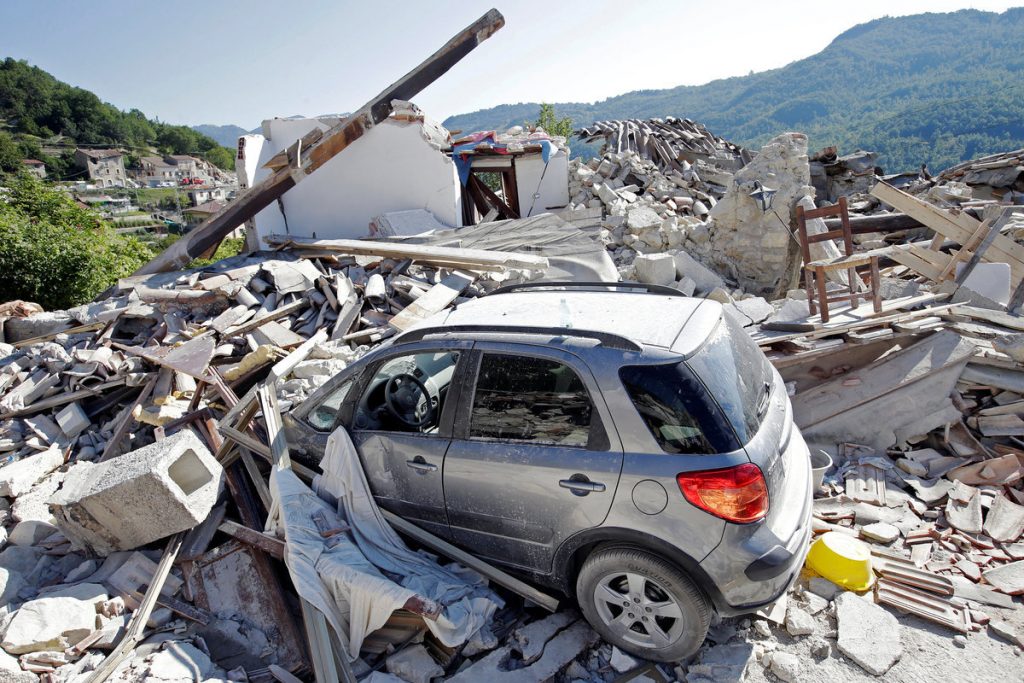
(393, 167)
(542, 191)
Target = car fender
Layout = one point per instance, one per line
(568, 560)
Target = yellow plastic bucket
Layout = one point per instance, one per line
(843, 560)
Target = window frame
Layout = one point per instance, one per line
(599, 437)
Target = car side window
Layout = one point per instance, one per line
(322, 417)
(533, 400)
(407, 393)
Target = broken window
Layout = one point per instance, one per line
(530, 399)
(323, 416)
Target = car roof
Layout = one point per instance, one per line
(648, 319)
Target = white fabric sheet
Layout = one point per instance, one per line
(357, 578)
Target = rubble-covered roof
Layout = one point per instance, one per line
(666, 141)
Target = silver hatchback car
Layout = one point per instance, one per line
(634, 449)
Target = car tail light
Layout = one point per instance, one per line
(736, 494)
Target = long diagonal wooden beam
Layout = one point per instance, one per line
(307, 156)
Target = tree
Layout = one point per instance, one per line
(10, 154)
(552, 125)
(56, 253)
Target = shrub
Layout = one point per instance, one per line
(56, 253)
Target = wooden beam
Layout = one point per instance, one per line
(264, 542)
(442, 546)
(137, 623)
(957, 227)
(334, 141)
(451, 257)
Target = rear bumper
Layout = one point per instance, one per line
(754, 564)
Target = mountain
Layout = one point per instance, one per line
(226, 136)
(932, 88)
(41, 111)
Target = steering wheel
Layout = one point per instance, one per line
(402, 396)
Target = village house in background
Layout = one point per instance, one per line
(105, 166)
(35, 167)
(172, 169)
(407, 150)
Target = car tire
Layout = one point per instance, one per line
(642, 604)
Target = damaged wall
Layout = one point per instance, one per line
(756, 248)
(395, 166)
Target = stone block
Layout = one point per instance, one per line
(868, 635)
(642, 218)
(73, 420)
(655, 269)
(414, 664)
(705, 278)
(20, 476)
(55, 620)
(139, 497)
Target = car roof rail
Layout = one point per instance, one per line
(613, 341)
(660, 290)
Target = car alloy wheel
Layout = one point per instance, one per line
(638, 610)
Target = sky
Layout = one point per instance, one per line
(243, 61)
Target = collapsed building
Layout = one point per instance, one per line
(158, 524)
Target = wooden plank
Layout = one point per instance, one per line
(264, 542)
(137, 623)
(896, 370)
(452, 257)
(434, 301)
(337, 139)
(958, 228)
(488, 570)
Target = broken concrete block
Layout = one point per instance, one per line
(755, 308)
(31, 531)
(868, 634)
(622, 662)
(55, 620)
(139, 497)
(529, 640)
(1006, 632)
(414, 664)
(687, 286)
(20, 476)
(179, 661)
(728, 662)
(721, 295)
(881, 532)
(1008, 578)
(823, 588)
(558, 652)
(704, 278)
(799, 622)
(786, 666)
(642, 218)
(73, 420)
(10, 583)
(655, 269)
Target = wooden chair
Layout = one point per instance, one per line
(815, 272)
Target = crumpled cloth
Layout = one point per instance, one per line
(359, 576)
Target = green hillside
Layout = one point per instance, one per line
(933, 88)
(39, 111)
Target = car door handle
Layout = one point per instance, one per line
(421, 465)
(582, 486)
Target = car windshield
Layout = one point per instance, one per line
(736, 374)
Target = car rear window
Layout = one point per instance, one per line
(737, 374)
(677, 410)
